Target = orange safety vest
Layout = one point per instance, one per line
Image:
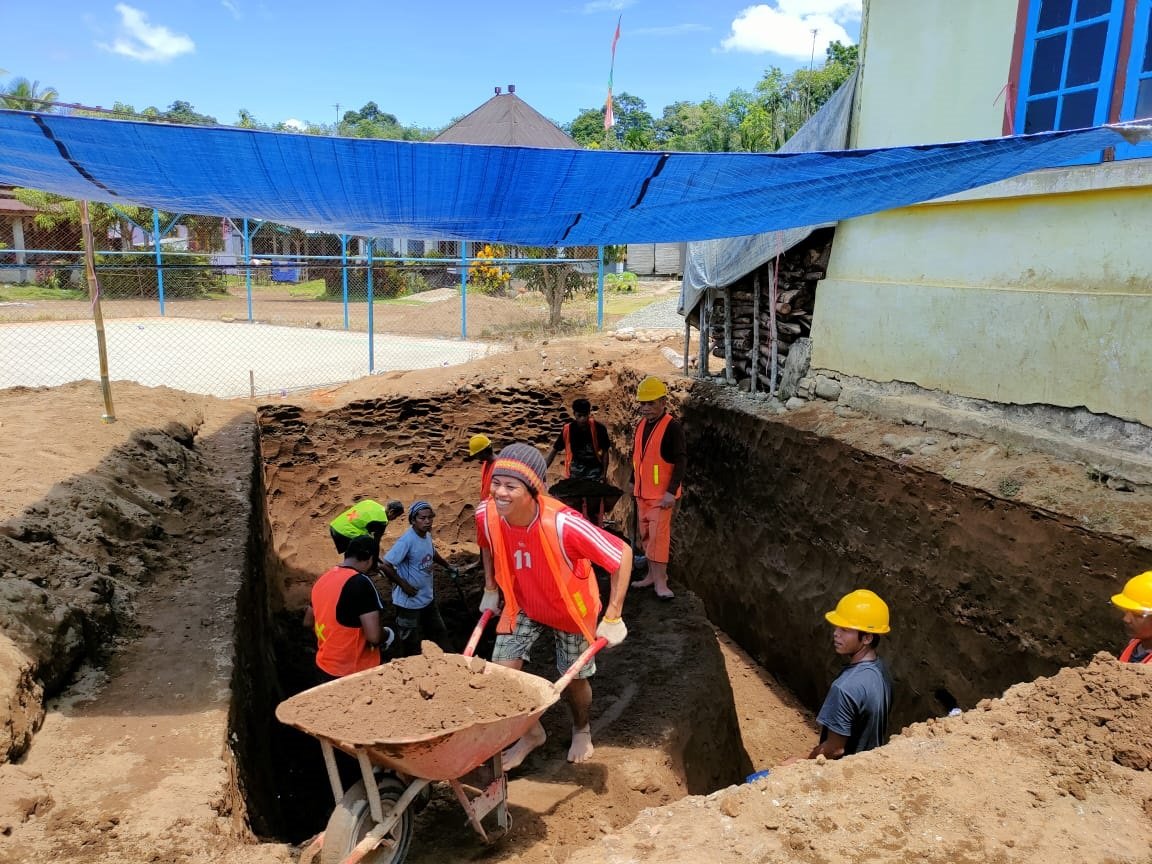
(579, 594)
(1126, 654)
(486, 469)
(340, 650)
(652, 473)
(568, 445)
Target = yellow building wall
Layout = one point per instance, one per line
(1036, 290)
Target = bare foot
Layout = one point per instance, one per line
(581, 749)
(644, 583)
(514, 755)
(665, 594)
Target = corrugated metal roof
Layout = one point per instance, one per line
(506, 120)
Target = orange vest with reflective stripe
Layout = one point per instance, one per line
(579, 593)
(568, 445)
(340, 650)
(486, 469)
(1126, 654)
(651, 471)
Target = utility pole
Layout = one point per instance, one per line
(811, 67)
(336, 128)
(812, 59)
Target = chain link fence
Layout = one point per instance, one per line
(237, 307)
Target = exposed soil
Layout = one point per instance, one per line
(126, 546)
(411, 697)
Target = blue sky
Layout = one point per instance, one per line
(424, 62)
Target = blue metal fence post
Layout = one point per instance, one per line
(159, 262)
(344, 273)
(599, 287)
(248, 266)
(371, 247)
(463, 289)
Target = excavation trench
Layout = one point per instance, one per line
(774, 525)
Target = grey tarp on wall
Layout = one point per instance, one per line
(715, 263)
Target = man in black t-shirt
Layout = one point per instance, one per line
(584, 443)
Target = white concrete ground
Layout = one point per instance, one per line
(213, 357)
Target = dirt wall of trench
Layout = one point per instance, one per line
(776, 524)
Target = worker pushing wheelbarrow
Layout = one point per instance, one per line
(459, 713)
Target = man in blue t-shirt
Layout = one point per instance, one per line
(854, 716)
(408, 565)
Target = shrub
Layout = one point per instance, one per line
(135, 275)
(623, 282)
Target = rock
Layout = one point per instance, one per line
(625, 334)
(730, 806)
(795, 366)
(827, 388)
(745, 384)
(931, 450)
(845, 411)
(908, 445)
(672, 356)
(912, 420)
(892, 441)
(794, 403)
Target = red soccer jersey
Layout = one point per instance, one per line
(536, 589)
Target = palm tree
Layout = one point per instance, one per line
(24, 95)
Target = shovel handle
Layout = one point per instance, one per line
(477, 632)
(581, 661)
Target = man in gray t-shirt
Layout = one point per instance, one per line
(854, 717)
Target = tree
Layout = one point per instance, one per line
(183, 112)
(23, 95)
(557, 282)
(54, 211)
(587, 129)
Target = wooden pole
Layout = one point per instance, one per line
(702, 372)
(687, 343)
(97, 314)
(773, 336)
(754, 354)
(728, 376)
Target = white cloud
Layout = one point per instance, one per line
(232, 8)
(607, 6)
(786, 28)
(149, 43)
(295, 125)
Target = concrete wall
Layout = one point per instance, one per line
(1034, 290)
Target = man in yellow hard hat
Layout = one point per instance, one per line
(480, 450)
(1136, 601)
(854, 717)
(659, 458)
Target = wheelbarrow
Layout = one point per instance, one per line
(593, 498)
(372, 821)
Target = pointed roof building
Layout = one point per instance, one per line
(506, 120)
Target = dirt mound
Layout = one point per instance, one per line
(410, 698)
(1056, 770)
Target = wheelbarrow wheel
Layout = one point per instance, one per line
(352, 819)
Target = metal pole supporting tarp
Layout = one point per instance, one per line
(599, 287)
(463, 289)
(159, 260)
(344, 273)
(370, 246)
(248, 266)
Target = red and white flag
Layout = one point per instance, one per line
(609, 115)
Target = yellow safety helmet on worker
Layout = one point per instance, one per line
(478, 444)
(651, 389)
(1137, 595)
(860, 610)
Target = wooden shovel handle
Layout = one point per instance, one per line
(581, 661)
(474, 639)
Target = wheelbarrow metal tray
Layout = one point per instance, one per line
(443, 755)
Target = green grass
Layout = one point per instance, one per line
(16, 293)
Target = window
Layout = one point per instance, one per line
(1082, 63)
(1069, 64)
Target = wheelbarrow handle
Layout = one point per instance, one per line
(477, 632)
(581, 661)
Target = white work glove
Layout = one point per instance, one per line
(490, 601)
(613, 630)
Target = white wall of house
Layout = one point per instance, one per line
(1034, 290)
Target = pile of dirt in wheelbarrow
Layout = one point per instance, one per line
(1059, 769)
(410, 698)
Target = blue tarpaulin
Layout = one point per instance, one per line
(500, 194)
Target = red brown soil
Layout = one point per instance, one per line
(412, 697)
(1057, 770)
(131, 763)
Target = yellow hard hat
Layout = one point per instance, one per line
(1137, 594)
(651, 389)
(477, 443)
(860, 610)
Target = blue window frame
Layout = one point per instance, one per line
(1137, 103)
(1069, 65)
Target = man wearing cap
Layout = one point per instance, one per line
(1136, 602)
(408, 566)
(364, 518)
(480, 450)
(854, 717)
(584, 443)
(538, 554)
(345, 615)
(659, 457)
